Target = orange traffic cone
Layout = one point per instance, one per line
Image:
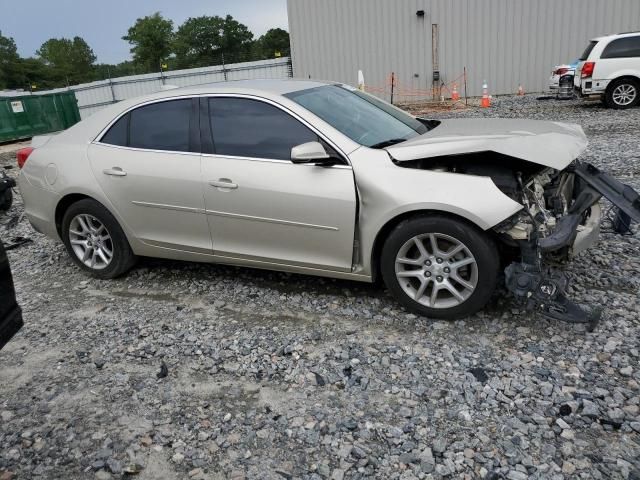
(486, 101)
(520, 90)
(455, 96)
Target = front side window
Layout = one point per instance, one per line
(361, 117)
(623, 48)
(159, 126)
(243, 127)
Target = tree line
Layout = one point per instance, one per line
(155, 45)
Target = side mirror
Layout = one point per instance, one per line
(312, 152)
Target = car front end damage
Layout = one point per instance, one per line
(561, 218)
(537, 165)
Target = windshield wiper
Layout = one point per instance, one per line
(388, 143)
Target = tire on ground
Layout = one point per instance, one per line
(123, 257)
(478, 243)
(630, 83)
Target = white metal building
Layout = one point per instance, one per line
(506, 42)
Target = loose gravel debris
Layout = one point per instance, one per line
(278, 376)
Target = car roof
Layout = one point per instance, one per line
(267, 88)
(615, 35)
(271, 86)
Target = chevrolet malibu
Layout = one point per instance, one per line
(322, 179)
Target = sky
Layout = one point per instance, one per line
(102, 23)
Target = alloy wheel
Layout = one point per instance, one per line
(624, 94)
(436, 270)
(91, 241)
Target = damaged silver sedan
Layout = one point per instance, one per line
(323, 179)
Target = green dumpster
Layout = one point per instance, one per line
(28, 115)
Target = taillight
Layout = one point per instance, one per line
(561, 71)
(23, 155)
(587, 69)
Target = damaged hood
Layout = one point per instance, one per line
(551, 144)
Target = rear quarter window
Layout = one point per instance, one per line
(118, 134)
(588, 51)
(622, 48)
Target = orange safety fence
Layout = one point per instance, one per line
(399, 92)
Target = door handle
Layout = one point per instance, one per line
(115, 172)
(223, 183)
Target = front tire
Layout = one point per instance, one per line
(440, 267)
(622, 94)
(95, 241)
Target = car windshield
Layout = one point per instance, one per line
(586, 53)
(360, 116)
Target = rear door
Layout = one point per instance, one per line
(619, 58)
(260, 206)
(148, 165)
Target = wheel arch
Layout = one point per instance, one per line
(63, 205)
(623, 76)
(69, 199)
(387, 228)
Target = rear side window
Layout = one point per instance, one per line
(622, 48)
(587, 51)
(250, 128)
(161, 126)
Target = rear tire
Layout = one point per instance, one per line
(95, 241)
(457, 261)
(622, 94)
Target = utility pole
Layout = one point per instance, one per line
(393, 85)
(224, 68)
(113, 95)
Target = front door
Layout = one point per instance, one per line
(262, 207)
(148, 165)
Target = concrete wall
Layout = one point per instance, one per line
(506, 42)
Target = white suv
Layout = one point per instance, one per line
(610, 68)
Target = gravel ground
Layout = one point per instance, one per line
(278, 376)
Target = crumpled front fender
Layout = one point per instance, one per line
(387, 191)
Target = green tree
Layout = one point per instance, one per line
(70, 60)
(202, 41)
(9, 63)
(103, 71)
(151, 39)
(274, 41)
(33, 71)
